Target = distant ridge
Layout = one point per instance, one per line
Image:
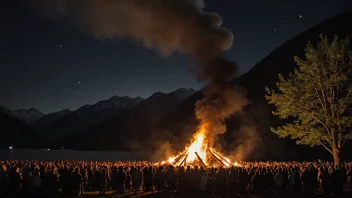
(129, 124)
(16, 133)
(60, 124)
(25, 115)
(49, 118)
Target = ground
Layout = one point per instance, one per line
(155, 195)
(110, 195)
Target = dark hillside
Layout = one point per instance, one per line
(125, 130)
(15, 133)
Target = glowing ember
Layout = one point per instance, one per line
(198, 153)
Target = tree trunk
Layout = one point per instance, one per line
(337, 156)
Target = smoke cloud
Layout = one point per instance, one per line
(248, 141)
(165, 150)
(167, 26)
(220, 102)
(249, 135)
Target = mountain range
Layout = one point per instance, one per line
(169, 118)
(128, 124)
(57, 125)
(27, 116)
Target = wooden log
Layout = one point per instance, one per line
(215, 161)
(212, 154)
(221, 157)
(180, 157)
(200, 159)
(184, 161)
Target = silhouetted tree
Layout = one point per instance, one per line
(317, 96)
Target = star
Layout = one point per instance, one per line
(300, 16)
(79, 82)
(60, 46)
(274, 29)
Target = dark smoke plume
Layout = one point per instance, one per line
(168, 26)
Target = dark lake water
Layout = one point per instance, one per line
(22, 154)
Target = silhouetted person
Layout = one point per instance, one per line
(243, 180)
(279, 182)
(75, 182)
(101, 179)
(171, 177)
(37, 184)
(308, 180)
(160, 179)
(221, 182)
(51, 179)
(137, 178)
(182, 180)
(90, 179)
(27, 185)
(204, 190)
(15, 181)
(148, 179)
(4, 181)
(128, 181)
(118, 179)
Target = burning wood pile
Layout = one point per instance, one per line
(199, 154)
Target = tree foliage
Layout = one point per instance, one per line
(317, 96)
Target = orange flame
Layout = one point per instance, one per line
(199, 145)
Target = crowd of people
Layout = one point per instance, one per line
(75, 178)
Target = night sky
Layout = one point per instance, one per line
(52, 66)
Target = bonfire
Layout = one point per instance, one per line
(198, 153)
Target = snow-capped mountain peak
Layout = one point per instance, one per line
(157, 94)
(117, 102)
(183, 93)
(28, 116)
